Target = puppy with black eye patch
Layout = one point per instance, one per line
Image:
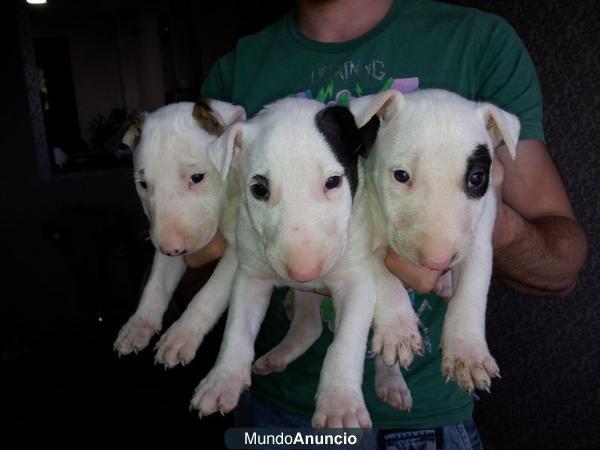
(429, 176)
(305, 223)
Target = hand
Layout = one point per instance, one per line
(503, 233)
(211, 252)
(419, 278)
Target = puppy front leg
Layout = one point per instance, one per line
(466, 358)
(180, 342)
(135, 335)
(221, 388)
(391, 386)
(396, 334)
(339, 399)
(305, 329)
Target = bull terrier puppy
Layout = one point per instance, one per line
(180, 176)
(429, 172)
(304, 222)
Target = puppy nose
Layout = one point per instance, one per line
(436, 264)
(172, 251)
(172, 245)
(304, 275)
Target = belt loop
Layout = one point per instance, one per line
(439, 437)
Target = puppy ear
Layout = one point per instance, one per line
(131, 130)
(381, 105)
(214, 116)
(224, 152)
(227, 113)
(501, 126)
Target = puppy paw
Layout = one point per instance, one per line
(469, 363)
(397, 340)
(135, 335)
(219, 391)
(391, 387)
(274, 361)
(178, 345)
(341, 407)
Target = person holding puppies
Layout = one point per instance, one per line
(337, 49)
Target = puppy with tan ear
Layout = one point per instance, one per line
(181, 179)
(429, 172)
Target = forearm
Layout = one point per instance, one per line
(213, 251)
(540, 256)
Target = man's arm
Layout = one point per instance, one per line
(539, 248)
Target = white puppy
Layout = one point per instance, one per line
(430, 170)
(180, 177)
(304, 222)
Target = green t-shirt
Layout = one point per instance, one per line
(419, 43)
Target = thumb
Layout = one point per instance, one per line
(497, 175)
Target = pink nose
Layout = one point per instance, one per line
(173, 246)
(436, 264)
(172, 251)
(303, 276)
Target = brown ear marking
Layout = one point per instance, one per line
(203, 113)
(131, 130)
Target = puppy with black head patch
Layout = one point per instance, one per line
(305, 223)
(429, 174)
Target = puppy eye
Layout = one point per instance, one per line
(401, 176)
(260, 189)
(196, 178)
(143, 185)
(260, 192)
(333, 182)
(476, 178)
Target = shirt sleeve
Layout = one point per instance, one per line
(219, 81)
(508, 78)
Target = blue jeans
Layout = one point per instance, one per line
(251, 412)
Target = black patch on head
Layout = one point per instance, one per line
(477, 175)
(346, 140)
(369, 133)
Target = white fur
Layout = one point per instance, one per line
(305, 328)
(430, 220)
(172, 147)
(302, 229)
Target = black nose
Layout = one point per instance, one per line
(175, 252)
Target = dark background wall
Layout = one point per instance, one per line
(549, 349)
(74, 253)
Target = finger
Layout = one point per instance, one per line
(322, 291)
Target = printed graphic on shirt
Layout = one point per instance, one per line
(325, 81)
(352, 69)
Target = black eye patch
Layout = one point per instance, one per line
(477, 175)
(260, 188)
